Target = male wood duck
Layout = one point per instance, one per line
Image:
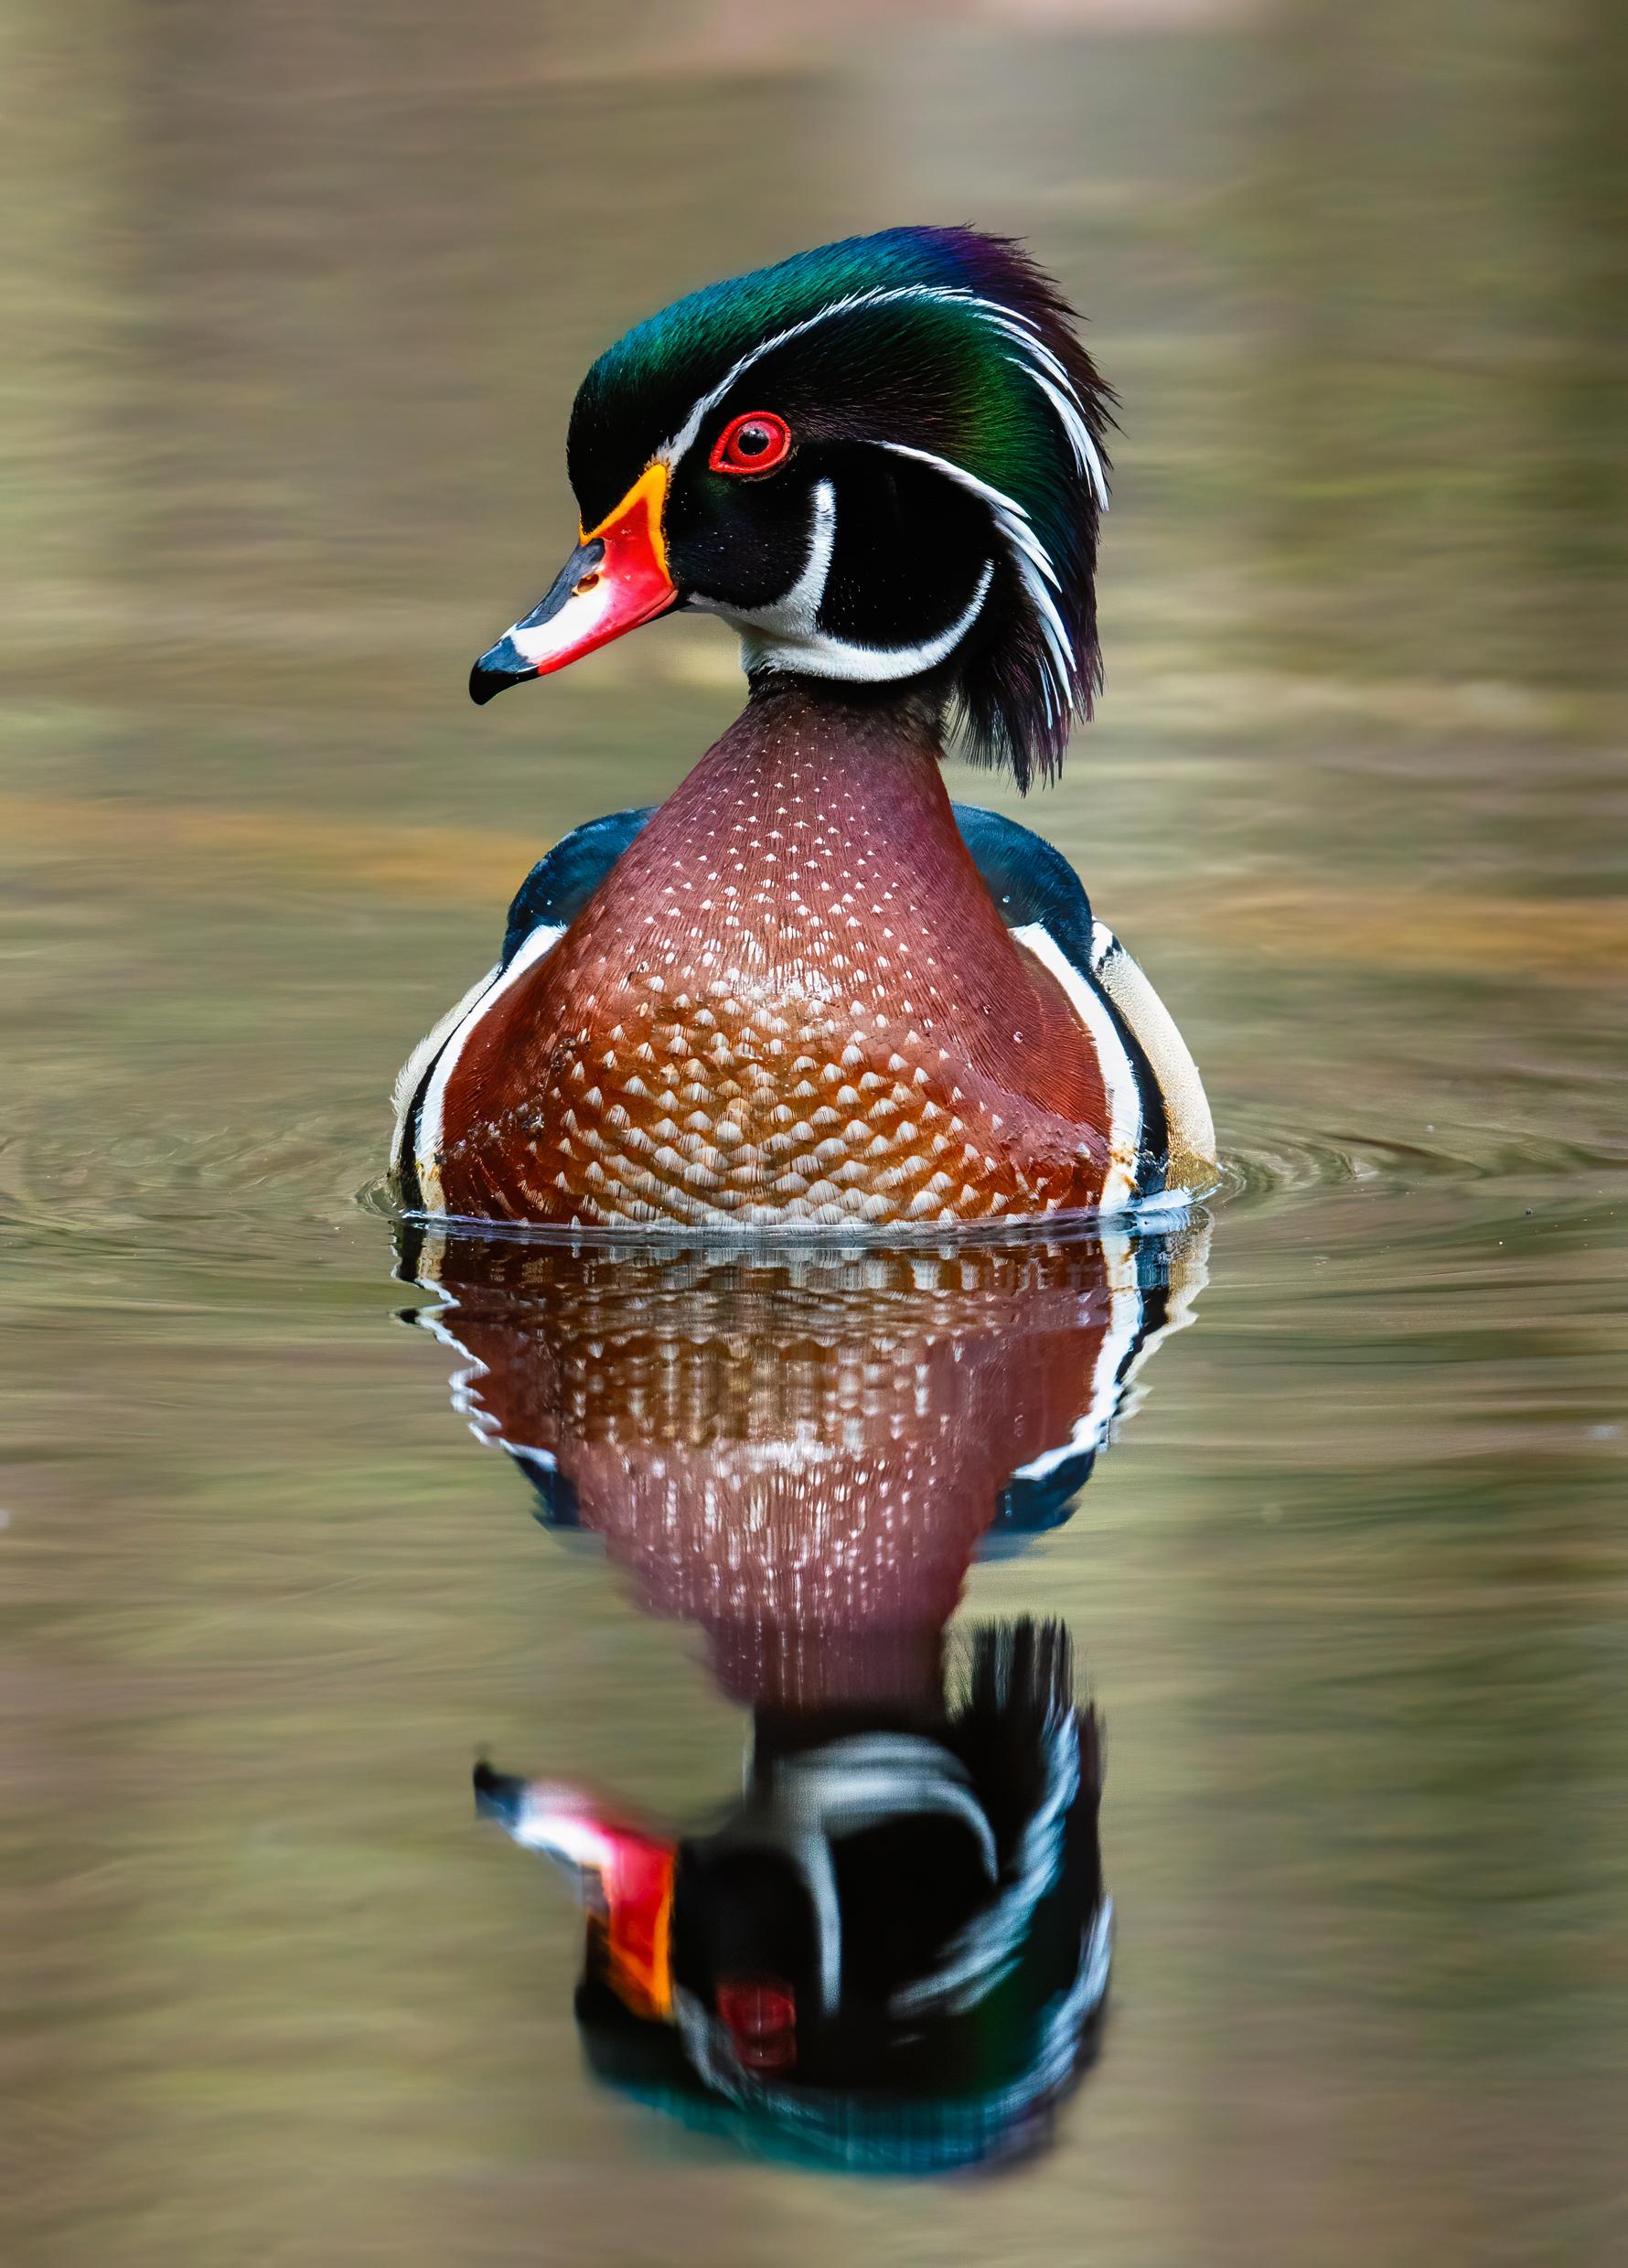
(808, 990)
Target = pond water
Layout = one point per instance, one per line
(295, 305)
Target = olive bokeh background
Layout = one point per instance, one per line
(294, 301)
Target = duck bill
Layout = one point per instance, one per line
(616, 579)
(622, 1875)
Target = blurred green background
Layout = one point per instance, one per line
(293, 300)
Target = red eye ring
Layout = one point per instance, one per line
(754, 443)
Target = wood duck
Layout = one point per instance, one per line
(808, 990)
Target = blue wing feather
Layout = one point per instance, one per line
(1029, 879)
(558, 887)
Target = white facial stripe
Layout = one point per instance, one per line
(801, 602)
(826, 657)
(787, 636)
(794, 618)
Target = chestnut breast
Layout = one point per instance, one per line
(792, 998)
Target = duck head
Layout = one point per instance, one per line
(882, 461)
(889, 1954)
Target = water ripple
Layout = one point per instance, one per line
(220, 1191)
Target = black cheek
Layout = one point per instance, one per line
(737, 542)
(910, 548)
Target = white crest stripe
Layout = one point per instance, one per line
(673, 450)
(1079, 437)
(1028, 555)
(1060, 390)
(1021, 529)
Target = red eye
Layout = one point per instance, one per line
(753, 444)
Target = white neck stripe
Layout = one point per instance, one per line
(823, 655)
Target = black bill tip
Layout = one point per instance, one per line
(497, 1795)
(501, 665)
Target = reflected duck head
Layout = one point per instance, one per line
(890, 1954)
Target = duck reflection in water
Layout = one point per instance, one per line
(892, 1952)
